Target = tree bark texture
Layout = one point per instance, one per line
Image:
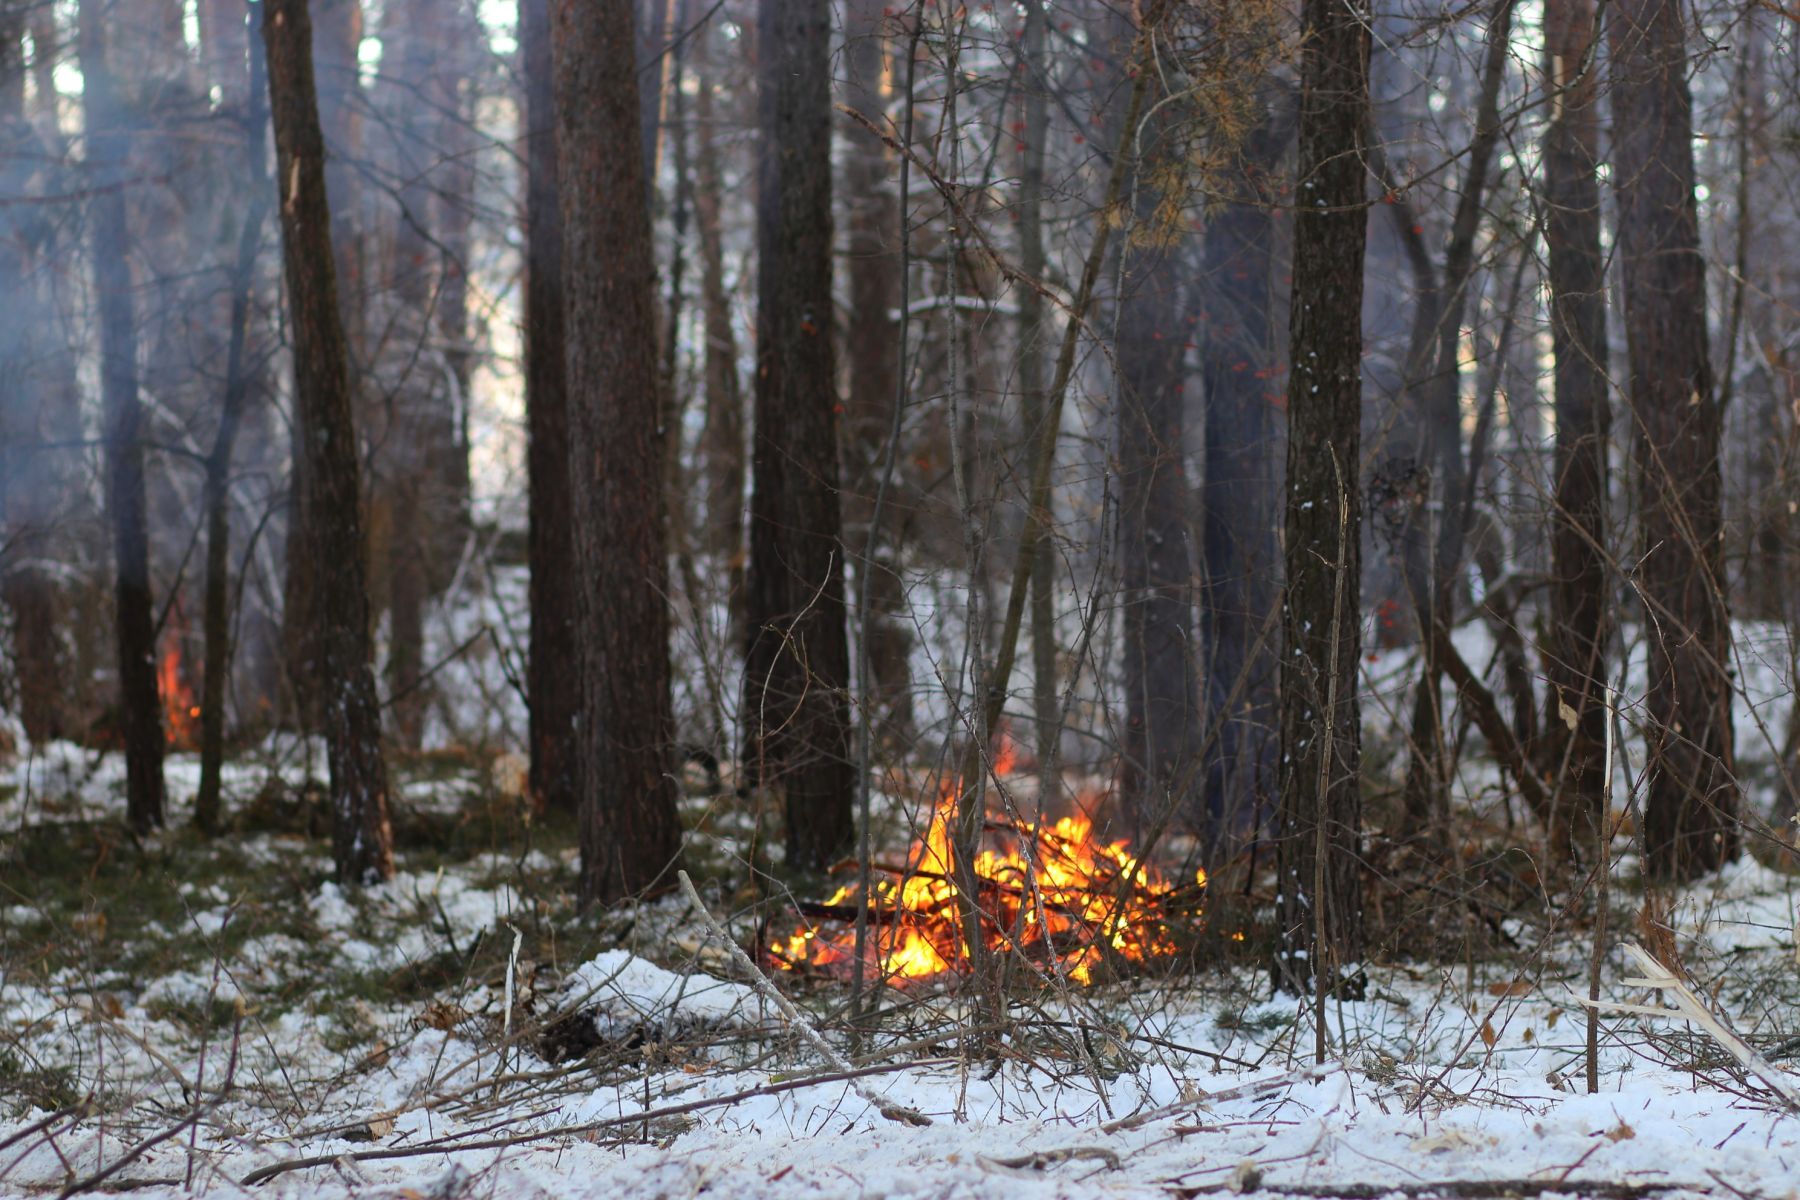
(630, 834)
(797, 668)
(1158, 775)
(331, 529)
(1241, 365)
(1320, 811)
(1575, 712)
(1046, 701)
(109, 135)
(1691, 796)
(337, 37)
(553, 678)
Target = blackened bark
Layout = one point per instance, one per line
(554, 677)
(1241, 499)
(215, 494)
(797, 668)
(1162, 695)
(1691, 796)
(1321, 739)
(1579, 616)
(630, 834)
(109, 135)
(362, 840)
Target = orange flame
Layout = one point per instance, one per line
(1047, 890)
(180, 713)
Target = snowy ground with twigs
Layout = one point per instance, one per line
(185, 1017)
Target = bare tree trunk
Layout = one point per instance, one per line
(1046, 706)
(337, 72)
(1319, 821)
(109, 136)
(797, 669)
(554, 676)
(1162, 693)
(1691, 796)
(1241, 585)
(362, 840)
(630, 834)
(1580, 620)
(216, 496)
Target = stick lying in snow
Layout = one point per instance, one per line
(457, 1143)
(1689, 1006)
(1258, 1088)
(887, 1108)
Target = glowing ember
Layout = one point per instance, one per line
(180, 713)
(1045, 890)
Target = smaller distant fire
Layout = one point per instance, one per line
(1048, 890)
(181, 714)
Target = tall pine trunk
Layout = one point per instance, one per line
(553, 678)
(1034, 331)
(1241, 499)
(1319, 821)
(338, 36)
(630, 835)
(1162, 694)
(797, 668)
(331, 529)
(1691, 797)
(1579, 616)
(109, 134)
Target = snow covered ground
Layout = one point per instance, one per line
(187, 1018)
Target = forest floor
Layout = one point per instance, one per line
(179, 1015)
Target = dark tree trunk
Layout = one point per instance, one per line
(1320, 810)
(215, 494)
(554, 677)
(797, 668)
(1241, 500)
(630, 834)
(1046, 707)
(1579, 617)
(335, 46)
(362, 840)
(873, 252)
(109, 135)
(1158, 774)
(1691, 796)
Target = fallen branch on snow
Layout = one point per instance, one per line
(1689, 1006)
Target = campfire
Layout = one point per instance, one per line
(181, 714)
(1047, 891)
